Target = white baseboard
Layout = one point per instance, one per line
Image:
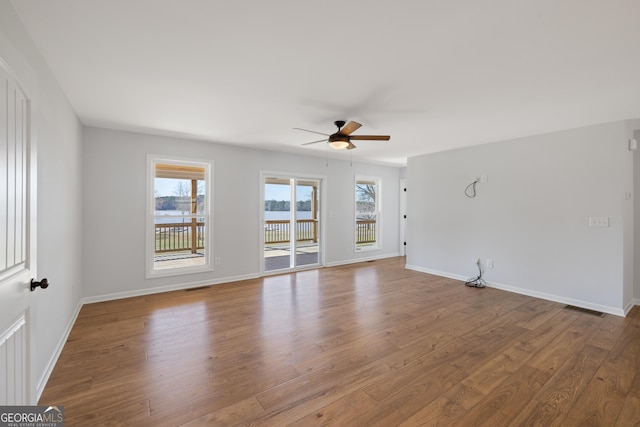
(42, 382)
(436, 272)
(557, 298)
(629, 306)
(523, 291)
(160, 289)
(633, 302)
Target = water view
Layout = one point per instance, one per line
(276, 215)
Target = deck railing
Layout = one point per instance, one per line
(179, 236)
(185, 236)
(278, 231)
(365, 231)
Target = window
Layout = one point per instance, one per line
(178, 230)
(368, 213)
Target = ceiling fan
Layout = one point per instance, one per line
(342, 138)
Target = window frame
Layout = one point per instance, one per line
(152, 161)
(378, 213)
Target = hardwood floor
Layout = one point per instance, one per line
(369, 344)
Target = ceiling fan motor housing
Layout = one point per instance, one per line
(338, 137)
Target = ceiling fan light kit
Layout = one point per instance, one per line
(339, 142)
(342, 139)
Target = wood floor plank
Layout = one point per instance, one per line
(417, 387)
(238, 413)
(506, 401)
(608, 333)
(551, 405)
(630, 413)
(128, 413)
(539, 312)
(309, 393)
(564, 345)
(603, 399)
(368, 344)
(350, 410)
(343, 376)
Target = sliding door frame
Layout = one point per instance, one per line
(321, 220)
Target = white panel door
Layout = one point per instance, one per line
(403, 217)
(17, 240)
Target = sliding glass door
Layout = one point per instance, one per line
(291, 223)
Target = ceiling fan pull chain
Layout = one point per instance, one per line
(327, 158)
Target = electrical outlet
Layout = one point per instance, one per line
(217, 261)
(489, 263)
(596, 221)
(476, 260)
(483, 179)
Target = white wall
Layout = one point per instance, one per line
(57, 134)
(114, 209)
(636, 210)
(629, 212)
(532, 216)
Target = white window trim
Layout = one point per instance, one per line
(378, 245)
(150, 271)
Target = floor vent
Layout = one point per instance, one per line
(585, 310)
(197, 289)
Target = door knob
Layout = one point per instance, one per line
(44, 284)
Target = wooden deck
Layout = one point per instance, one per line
(369, 344)
(278, 257)
(167, 261)
(275, 258)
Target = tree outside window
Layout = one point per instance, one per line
(367, 221)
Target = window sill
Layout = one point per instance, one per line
(368, 248)
(179, 271)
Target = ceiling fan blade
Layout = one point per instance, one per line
(350, 128)
(350, 146)
(370, 137)
(315, 142)
(312, 131)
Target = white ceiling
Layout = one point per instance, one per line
(434, 74)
